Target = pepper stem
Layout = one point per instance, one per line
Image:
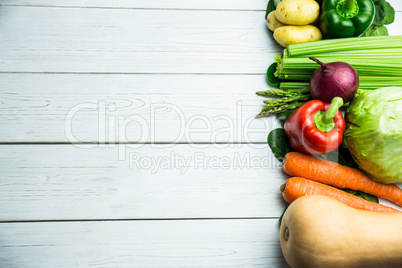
(325, 120)
(329, 115)
(347, 8)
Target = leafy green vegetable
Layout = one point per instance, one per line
(333, 156)
(341, 156)
(366, 196)
(347, 157)
(279, 143)
(374, 133)
(376, 31)
(283, 116)
(272, 79)
(384, 13)
(270, 7)
(283, 213)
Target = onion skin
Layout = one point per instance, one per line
(335, 79)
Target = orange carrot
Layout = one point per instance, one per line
(297, 187)
(327, 172)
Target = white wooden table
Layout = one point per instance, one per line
(128, 137)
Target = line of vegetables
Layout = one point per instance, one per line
(376, 67)
(337, 89)
(370, 135)
(331, 173)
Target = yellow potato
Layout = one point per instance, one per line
(291, 34)
(273, 22)
(297, 12)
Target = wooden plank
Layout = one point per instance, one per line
(133, 41)
(136, 41)
(132, 108)
(203, 243)
(65, 182)
(89, 40)
(172, 4)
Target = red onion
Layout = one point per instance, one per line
(335, 79)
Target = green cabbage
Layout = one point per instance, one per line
(374, 133)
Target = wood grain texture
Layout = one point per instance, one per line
(136, 41)
(133, 41)
(160, 4)
(132, 108)
(36, 107)
(203, 243)
(111, 62)
(64, 182)
(172, 4)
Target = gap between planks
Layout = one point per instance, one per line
(134, 73)
(130, 143)
(145, 219)
(136, 8)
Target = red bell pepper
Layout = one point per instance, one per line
(316, 127)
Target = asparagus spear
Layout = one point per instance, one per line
(279, 109)
(284, 100)
(291, 99)
(282, 92)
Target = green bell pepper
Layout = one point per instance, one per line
(346, 18)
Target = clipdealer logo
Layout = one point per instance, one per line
(150, 124)
(200, 160)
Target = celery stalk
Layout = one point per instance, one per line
(345, 44)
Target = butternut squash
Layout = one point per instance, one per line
(318, 231)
